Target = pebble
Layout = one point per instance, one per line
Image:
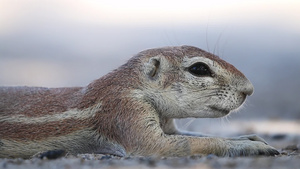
(293, 147)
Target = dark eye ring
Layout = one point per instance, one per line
(200, 69)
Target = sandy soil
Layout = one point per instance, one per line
(288, 145)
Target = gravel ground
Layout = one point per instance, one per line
(89, 161)
(288, 145)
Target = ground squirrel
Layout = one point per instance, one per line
(131, 110)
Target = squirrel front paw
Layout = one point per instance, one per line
(249, 145)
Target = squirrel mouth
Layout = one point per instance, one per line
(220, 110)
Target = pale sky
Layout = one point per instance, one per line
(14, 12)
(32, 30)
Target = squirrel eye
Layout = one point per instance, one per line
(199, 69)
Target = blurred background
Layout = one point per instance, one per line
(59, 43)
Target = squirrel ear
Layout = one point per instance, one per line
(152, 66)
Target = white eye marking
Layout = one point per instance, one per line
(187, 62)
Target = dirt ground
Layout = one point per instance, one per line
(210, 162)
(288, 145)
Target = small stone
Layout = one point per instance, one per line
(284, 153)
(105, 157)
(291, 147)
(211, 156)
(195, 157)
(152, 162)
(52, 154)
(279, 136)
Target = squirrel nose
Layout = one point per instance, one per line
(247, 88)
